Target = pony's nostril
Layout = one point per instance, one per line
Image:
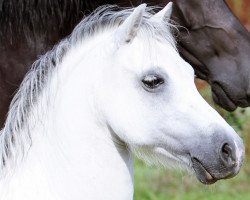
(228, 155)
(226, 150)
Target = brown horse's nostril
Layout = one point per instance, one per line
(228, 155)
(248, 95)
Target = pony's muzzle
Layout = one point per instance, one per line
(217, 158)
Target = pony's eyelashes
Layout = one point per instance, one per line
(151, 82)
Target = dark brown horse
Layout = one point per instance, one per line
(216, 44)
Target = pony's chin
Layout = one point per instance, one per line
(159, 156)
(202, 174)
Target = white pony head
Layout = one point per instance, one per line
(149, 100)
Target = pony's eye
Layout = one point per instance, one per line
(152, 81)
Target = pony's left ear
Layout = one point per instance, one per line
(128, 30)
(164, 14)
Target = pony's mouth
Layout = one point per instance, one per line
(202, 173)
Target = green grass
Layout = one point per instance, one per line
(152, 183)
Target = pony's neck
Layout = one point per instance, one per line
(74, 154)
(85, 157)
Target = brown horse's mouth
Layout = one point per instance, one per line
(202, 174)
(221, 98)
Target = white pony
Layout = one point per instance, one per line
(115, 86)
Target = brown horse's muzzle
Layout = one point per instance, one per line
(230, 98)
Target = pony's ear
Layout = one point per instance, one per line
(163, 14)
(128, 30)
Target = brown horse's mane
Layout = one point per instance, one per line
(30, 18)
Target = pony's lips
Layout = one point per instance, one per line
(202, 173)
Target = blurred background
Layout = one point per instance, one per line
(152, 183)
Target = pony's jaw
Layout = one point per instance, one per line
(205, 159)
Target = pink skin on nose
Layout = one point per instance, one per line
(238, 154)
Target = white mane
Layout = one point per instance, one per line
(13, 144)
